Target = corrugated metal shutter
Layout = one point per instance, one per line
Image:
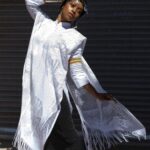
(14, 34)
(117, 50)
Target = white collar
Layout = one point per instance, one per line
(64, 24)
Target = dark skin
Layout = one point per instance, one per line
(70, 12)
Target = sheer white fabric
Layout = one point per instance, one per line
(104, 123)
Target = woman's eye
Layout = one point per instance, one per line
(72, 4)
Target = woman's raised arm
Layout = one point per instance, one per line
(33, 7)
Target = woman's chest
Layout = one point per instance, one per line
(52, 36)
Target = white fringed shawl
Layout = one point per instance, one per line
(45, 71)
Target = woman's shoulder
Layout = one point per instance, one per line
(77, 34)
(73, 38)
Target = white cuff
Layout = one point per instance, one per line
(78, 75)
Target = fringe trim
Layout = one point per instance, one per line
(101, 141)
(19, 143)
(45, 127)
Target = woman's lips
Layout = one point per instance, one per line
(72, 16)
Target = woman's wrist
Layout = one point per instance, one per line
(90, 89)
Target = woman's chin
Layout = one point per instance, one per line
(70, 19)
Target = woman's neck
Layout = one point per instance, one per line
(59, 18)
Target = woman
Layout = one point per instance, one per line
(54, 64)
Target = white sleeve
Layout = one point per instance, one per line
(77, 72)
(33, 7)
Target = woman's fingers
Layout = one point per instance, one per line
(105, 96)
(109, 96)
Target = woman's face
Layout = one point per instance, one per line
(71, 10)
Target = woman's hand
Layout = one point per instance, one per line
(104, 96)
(100, 96)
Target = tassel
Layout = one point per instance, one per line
(101, 141)
(19, 142)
